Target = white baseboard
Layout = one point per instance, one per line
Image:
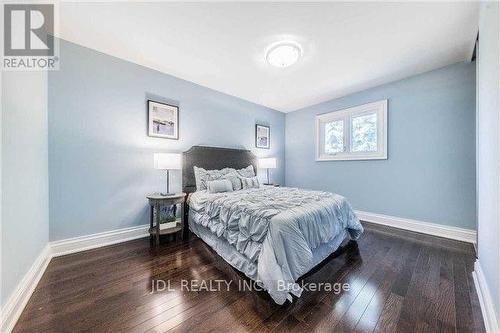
(82, 243)
(465, 235)
(15, 304)
(19, 298)
(487, 306)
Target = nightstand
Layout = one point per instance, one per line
(156, 200)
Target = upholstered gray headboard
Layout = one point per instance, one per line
(213, 158)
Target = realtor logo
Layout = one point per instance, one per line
(29, 42)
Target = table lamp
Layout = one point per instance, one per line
(167, 161)
(267, 163)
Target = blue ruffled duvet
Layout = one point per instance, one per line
(278, 228)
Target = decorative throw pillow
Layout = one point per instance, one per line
(219, 185)
(249, 182)
(234, 179)
(246, 172)
(202, 176)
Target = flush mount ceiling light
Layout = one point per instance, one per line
(283, 54)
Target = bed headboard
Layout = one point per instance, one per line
(213, 158)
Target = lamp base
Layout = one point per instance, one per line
(167, 194)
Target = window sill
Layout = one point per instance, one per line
(350, 158)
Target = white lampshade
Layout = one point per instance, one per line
(267, 163)
(167, 161)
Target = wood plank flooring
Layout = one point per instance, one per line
(398, 282)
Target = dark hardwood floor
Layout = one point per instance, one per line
(399, 282)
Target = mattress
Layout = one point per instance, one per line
(273, 235)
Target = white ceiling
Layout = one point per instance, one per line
(347, 47)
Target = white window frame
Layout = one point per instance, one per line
(379, 107)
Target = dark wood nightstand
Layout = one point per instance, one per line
(156, 200)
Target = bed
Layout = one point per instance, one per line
(273, 235)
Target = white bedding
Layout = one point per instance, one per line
(277, 229)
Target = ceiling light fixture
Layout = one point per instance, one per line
(283, 54)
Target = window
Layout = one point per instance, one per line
(357, 133)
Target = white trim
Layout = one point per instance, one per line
(346, 115)
(19, 298)
(347, 157)
(82, 243)
(17, 301)
(465, 235)
(484, 295)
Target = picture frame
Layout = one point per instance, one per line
(262, 136)
(163, 120)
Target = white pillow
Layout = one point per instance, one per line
(249, 182)
(201, 176)
(219, 185)
(246, 172)
(234, 179)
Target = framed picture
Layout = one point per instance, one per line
(163, 120)
(262, 136)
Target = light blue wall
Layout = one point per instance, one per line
(25, 207)
(100, 157)
(430, 172)
(488, 81)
